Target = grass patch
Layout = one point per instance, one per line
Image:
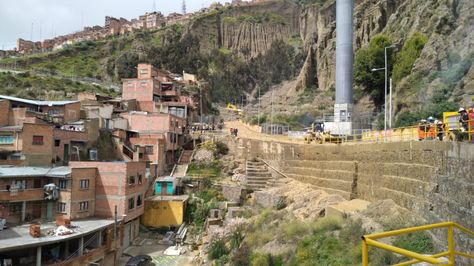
(212, 170)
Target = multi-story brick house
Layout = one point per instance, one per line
(58, 111)
(90, 194)
(121, 184)
(41, 133)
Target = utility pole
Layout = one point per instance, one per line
(390, 105)
(115, 235)
(272, 124)
(200, 106)
(184, 7)
(82, 19)
(31, 32)
(258, 109)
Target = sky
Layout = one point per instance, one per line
(43, 19)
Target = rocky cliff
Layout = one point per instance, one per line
(447, 24)
(247, 30)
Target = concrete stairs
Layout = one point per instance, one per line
(186, 157)
(258, 175)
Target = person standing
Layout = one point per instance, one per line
(463, 119)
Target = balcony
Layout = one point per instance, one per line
(22, 194)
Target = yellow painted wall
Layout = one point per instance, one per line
(163, 213)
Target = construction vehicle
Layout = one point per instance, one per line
(233, 107)
(454, 129)
(317, 133)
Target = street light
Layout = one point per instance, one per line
(386, 78)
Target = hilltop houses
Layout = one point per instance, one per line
(113, 27)
(84, 163)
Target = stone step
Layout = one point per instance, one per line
(257, 182)
(325, 173)
(259, 177)
(259, 174)
(324, 182)
(257, 169)
(339, 165)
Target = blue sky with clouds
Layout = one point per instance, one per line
(47, 18)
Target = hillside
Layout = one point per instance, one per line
(240, 49)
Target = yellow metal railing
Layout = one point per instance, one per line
(371, 240)
(453, 131)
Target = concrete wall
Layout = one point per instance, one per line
(433, 179)
(163, 213)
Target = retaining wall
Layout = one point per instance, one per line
(434, 179)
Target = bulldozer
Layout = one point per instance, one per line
(317, 134)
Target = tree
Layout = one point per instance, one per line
(408, 55)
(372, 83)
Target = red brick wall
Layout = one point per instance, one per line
(4, 112)
(79, 195)
(158, 156)
(141, 90)
(40, 155)
(65, 137)
(112, 188)
(146, 106)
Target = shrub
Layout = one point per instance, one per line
(217, 249)
(259, 259)
(242, 256)
(418, 242)
(408, 55)
(221, 148)
(236, 239)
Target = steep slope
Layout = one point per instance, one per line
(248, 30)
(445, 61)
(228, 46)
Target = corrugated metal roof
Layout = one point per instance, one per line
(11, 128)
(11, 171)
(35, 102)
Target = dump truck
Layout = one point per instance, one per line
(318, 134)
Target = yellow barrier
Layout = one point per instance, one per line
(416, 133)
(370, 240)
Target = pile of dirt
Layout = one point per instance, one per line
(203, 156)
(389, 214)
(304, 200)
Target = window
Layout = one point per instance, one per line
(63, 184)
(173, 138)
(139, 200)
(37, 140)
(15, 207)
(53, 112)
(84, 183)
(130, 84)
(19, 184)
(57, 142)
(148, 149)
(131, 203)
(131, 180)
(143, 83)
(83, 206)
(144, 71)
(139, 179)
(37, 183)
(62, 207)
(6, 139)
